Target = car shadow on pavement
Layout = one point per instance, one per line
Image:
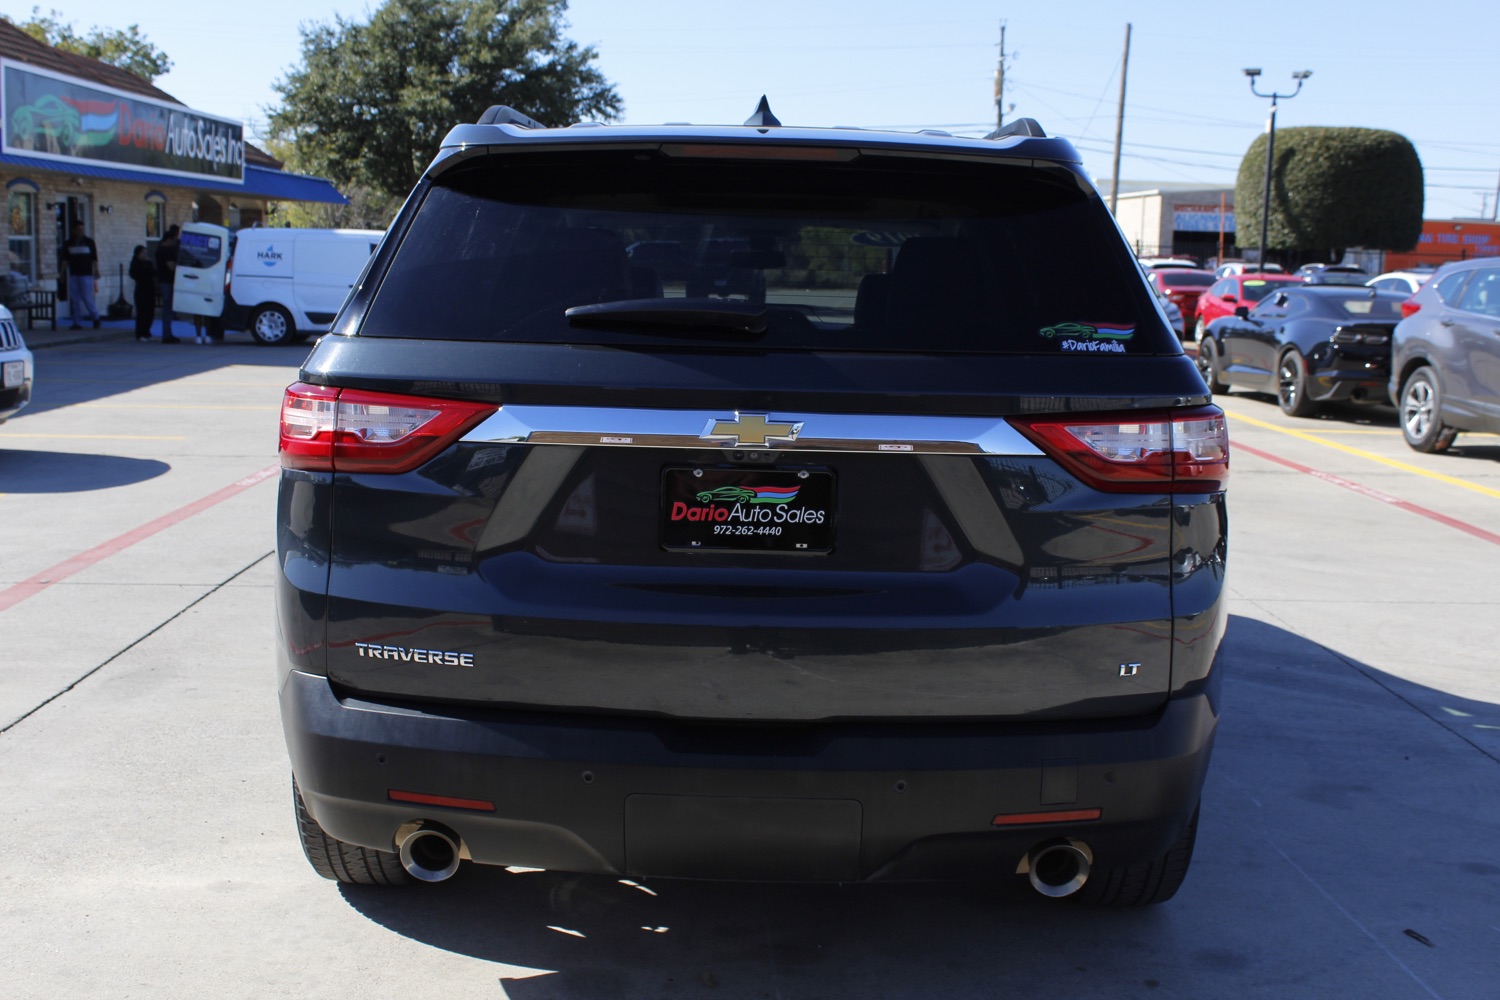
(87, 373)
(1342, 798)
(1484, 447)
(65, 472)
(1359, 414)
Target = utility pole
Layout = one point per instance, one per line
(1114, 187)
(1000, 82)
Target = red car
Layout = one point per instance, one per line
(1228, 294)
(1183, 286)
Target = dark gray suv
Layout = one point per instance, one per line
(1445, 356)
(861, 542)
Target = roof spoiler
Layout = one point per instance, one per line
(1027, 127)
(500, 114)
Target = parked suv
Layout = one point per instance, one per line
(16, 371)
(1445, 364)
(901, 559)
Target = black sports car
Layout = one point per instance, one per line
(1309, 345)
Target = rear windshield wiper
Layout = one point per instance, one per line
(748, 318)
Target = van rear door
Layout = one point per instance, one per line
(201, 259)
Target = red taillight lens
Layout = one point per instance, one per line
(354, 430)
(1410, 308)
(1160, 452)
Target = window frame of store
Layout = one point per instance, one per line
(156, 220)
(20, 205)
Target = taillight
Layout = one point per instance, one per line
(1356, 335)
(1181, 451)
(1410, 307)
(354, 430)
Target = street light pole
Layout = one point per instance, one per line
(1265, 205)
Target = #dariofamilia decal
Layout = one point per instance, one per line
(1108, 338)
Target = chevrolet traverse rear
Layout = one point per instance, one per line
(859, 543)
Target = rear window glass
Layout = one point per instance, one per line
(1385, 305)
(1449, 287)
(1186, 279)
(199, 250)
(881, 253)
(1255, 289)
(1483, 293)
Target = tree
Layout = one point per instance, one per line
(371, 102)
(1332, 188)
(367, 209)
(127, 49)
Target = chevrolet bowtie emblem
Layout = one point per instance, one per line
(752, 429)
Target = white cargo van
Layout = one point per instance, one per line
(287, 284)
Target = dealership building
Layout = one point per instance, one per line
(1167, 220)
(84, 141)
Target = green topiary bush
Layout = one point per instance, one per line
(1332, 188)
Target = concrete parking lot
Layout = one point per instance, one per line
(147, 847)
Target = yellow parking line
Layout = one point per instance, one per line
(7, 435)
(1403, 466)
(1351, 430)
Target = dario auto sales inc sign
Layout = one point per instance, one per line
(58, 117)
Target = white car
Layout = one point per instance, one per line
(1238, 267)
(16, 368)
(1154, 262)
(1400, 281)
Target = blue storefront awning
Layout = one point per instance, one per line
(272, 185)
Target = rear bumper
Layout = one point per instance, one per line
(1336, 375)
(834, 803)
(14, 400)
(1361, 386)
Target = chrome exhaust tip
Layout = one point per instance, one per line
(1058, 868)
(430, 853)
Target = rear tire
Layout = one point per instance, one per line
(272, 325)
(1421, 402)
(1208, 366)
(341, 862)
(1144, 884)
(1291, 386)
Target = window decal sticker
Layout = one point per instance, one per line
(1108, 338)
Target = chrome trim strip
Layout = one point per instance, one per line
(825, 432)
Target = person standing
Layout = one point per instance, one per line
(166, 273)
(143, 273)
(80, 259)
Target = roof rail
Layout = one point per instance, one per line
(1027, 127)
(500, 114)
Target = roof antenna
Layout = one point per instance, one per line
(763, 117)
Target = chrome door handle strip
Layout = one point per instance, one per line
(776, 430)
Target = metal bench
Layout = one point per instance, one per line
(37, 304)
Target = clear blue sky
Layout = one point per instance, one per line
(1428, 73)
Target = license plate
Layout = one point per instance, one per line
(758, 510)
(15, 373)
